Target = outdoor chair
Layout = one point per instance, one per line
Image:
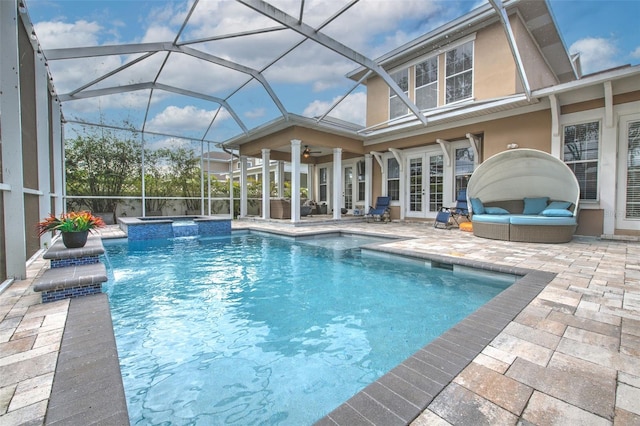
(378, 212)
(460, 210)
(442, 219)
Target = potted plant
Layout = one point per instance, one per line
(74, 226)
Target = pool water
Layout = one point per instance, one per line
(251, 329)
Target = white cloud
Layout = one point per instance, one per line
(55, 35)
(636, 53)
(596, 54)
(175, 119)
(255, 113)
(351, 109)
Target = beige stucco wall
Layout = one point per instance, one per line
(538, 72)
(494, 70)
(377, 101)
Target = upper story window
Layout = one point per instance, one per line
(581, 153)
(427, 84)
(459, 73)
(397, 108)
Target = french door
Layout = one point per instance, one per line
(425, 184)
(628, 197)
(348, 187)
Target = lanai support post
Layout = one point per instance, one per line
(243, 186)
(337, 183)
(266, 184)
(295, 180)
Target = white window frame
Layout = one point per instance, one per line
(435, 82)
(386, 159)
(471, 70)
(584, 118)
(394, 97)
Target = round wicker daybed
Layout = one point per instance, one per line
(524, 195)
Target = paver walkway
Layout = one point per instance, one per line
(572, 356)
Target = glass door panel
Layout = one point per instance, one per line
(348, 187)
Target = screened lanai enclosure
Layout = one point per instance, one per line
(90, 127)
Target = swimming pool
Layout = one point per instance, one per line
(251, 329)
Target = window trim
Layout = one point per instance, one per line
(414, 67)
(393, 95)
(585, 119)
(386, 159)
(472, 70)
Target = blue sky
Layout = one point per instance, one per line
(605, 32)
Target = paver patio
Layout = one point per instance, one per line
(572, 356)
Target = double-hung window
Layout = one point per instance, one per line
(397, 108)
(393, 179)
(459, 73)
(581, 153)
(427, 84)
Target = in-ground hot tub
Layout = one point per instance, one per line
(155, 227)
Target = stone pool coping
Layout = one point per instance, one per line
(571, 356)
(402, 394)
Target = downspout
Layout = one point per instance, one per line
(504, 19)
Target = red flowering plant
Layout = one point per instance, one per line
(70, 222)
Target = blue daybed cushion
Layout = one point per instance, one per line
(495, 210)
(556, 213)
(558, 205)
(491, 218)
(535, 205)
(476, 206)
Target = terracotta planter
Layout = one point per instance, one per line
(75, 239)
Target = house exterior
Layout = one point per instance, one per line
(492, 80)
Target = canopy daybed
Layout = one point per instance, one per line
(524, 195)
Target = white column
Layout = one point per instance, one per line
(58, 160)
(280, 179)
(243, 186)
(337, 182)
(42, 138)
(295, 180)
(368, 178)
(266, 184)
(11, 136)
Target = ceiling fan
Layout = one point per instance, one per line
(307, 152)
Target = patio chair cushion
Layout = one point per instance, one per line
(542, 220)
(535, 205)
(476, 206)
(495, 210)
(556, 213)
(558, 205)
(491, 218)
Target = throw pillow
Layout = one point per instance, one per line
(476, 206)
(535, 205)
(556, 213)
(495, 210)
(559, 205)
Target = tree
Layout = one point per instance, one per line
(101, 164)
(157, 179)
(184, 167)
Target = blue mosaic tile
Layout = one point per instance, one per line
(71, 292)
(151, 231)
(214, 228)
(74, 261)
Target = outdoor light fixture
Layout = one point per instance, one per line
(307, 152)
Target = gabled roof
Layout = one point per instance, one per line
(535, 14)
